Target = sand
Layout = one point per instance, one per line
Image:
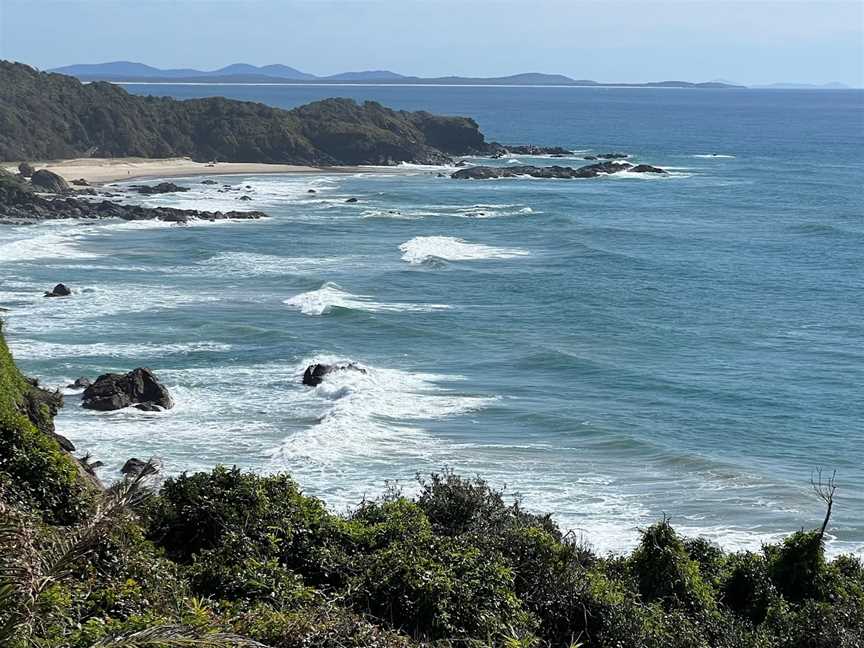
(102, 170)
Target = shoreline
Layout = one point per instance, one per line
(100, 171)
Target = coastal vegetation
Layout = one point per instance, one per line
(47, 116)
(228, 558)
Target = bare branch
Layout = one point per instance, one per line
(824, 489)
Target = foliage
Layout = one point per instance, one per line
(228, 558)
(45, 116)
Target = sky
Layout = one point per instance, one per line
(749, 41)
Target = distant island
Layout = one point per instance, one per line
(128, 71)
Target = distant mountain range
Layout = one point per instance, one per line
(245, 73)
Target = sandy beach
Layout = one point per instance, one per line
(104, 170)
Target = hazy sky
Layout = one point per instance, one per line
(607, 40)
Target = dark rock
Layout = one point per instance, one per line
(440, 175)
(245, 198)
(612, 156)
(209, 182)
(646, 168)
(589, 157)
(80, 383)
(351, 200)
(461, 163)
(536, 150)
(60, 290)
(116, 391)
(162, 187)
(149, 407)
(80, 182)
(133, 466)
(311, 191)
(26, 169)
(314, 374)
(589, 171)
(63, 442)
(49, 182)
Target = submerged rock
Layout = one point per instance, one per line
(60, 290)
(351, 200)
(49, 182)
(612, 156)
(209, 182)
(116, 391)
(314, 374)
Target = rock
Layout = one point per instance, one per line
(589, 171)
(80, 383)
(26, 169)
(314, 374)
(646, 168)
(589, 157)
(537, 150)
(162, 187)
(311, 191)
(244, 198)
(149, 407)
(133, 466)
(63, 442)
(209, 182)
(461, 163)
(80, 182)
(351, 200)
(440, 175)
(116, 391)
(49, 182)
(612, 156)
(60, 290)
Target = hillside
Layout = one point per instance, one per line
(245, 73)
(49, 116)
(226, 558)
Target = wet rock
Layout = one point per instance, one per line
(612, 156)
(209, 182)
(161, 188)
(314, 374)
(536, 150)
(60, 290)
(245, 198)
(26, 169)
(646, 168)
(311, 191)
(589, 171)
(116, 391)
(133, 466)
(63, 442)
(80, 182)
(351, 200)
(80, 383)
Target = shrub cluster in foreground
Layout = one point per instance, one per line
(233, 552)
(228, 558)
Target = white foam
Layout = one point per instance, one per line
(37, 349)
(330, 296)
(713, 155)
(251, 264)
(369, 416)
(54, 245)
(425, 248)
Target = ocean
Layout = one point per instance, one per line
(612, 350)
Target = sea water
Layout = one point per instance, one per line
(612, 349)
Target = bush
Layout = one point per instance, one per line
(797, 566)
(746, 587)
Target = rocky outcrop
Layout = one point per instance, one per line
(133, 466)
(529, 149)
(589, 171)
(136, 388)
(314, 374)
(161, 188)
(48, 182)
(60, 290)
(646, 168)
(17, 205)
(80, 383)
(26, 170)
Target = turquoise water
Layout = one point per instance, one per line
(612, 349)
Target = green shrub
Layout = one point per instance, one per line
(665, 572)
(797, 566)
(746, 587)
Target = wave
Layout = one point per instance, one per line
(422, 249)
(713, 155)
(56, 245)
(38, 350)
(330, 296)
(369, 417)
(253, 264)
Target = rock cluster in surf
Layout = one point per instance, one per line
(138, 388)
(589, 171)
